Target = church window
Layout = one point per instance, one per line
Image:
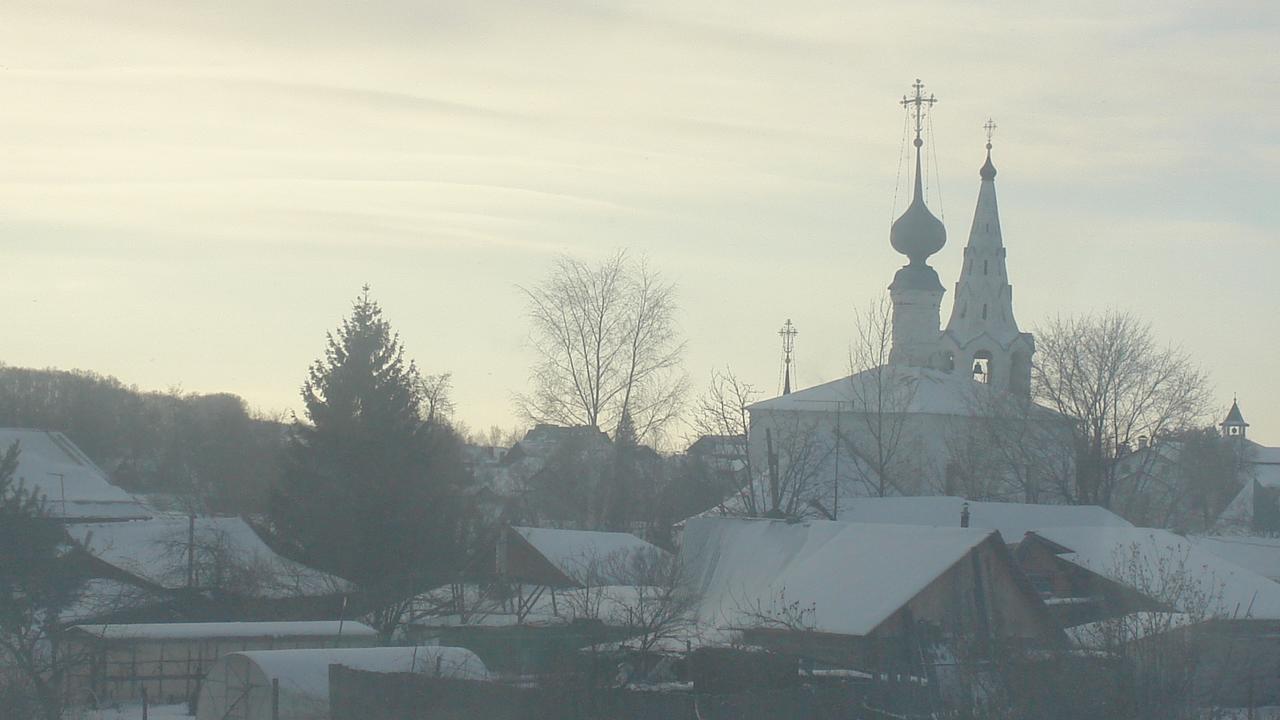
(964, 310)
(985, 268)
(984, 311)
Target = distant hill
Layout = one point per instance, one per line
(208, 447)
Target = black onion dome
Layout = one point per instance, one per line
(917, 234)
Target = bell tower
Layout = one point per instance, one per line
(982, 336)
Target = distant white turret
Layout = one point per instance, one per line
(982, 337)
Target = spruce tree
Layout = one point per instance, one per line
(35, 584)
(370, 491)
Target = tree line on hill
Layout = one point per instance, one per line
(211, 449)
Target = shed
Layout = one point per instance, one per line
(565, 558)
(240, 685)
(1132, 569)
(113, 663)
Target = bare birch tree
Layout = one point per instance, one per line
(607, 347)
(1109, 373)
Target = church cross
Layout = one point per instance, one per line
(990, 127)
(920, 103)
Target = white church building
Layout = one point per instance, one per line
(950, 410)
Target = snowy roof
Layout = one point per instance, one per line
(918, 390)
(307, 671)
(156, 552)
(97, 597)
(1013, 520)
(1261, 555)
(854, 575)
(1145, 560)
(51, 465)
(1107, 634)
(200, 631)
(573, 552)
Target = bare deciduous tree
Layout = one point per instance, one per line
(607, 346)
(1108, 372)
(786, 480)
(879, 399)
(1008, 449)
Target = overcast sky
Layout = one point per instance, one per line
(192, 194)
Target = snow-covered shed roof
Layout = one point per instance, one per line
(1259, 554)
(916, 389)
(1013, 520)
(99, 597)
(211, 630)
(74, 487)
(573, 552)
(854, 575)
(1145, 560)
(155, 551)
(242, 680)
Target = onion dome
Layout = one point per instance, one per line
(917, 234)
(988, 171)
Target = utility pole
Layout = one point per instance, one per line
(62, 486)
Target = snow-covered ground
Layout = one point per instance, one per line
(129, 712)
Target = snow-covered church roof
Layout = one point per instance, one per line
(909, 389)
(74, 487)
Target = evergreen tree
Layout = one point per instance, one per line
(371, 490)
(35, 584)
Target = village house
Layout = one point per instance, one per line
(875, 597)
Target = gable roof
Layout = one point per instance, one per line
(573, 552)
(155, 552)
(73, 486)
(1145, 559)
(1259, 554)
(1012, 520)
(854, 575)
